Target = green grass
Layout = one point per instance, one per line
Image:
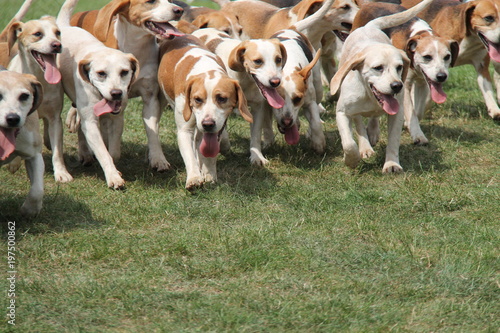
(304, 245)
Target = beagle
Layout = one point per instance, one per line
(475, 25)
(39, 43)
(370, 79)
(195, 83)
(430, 56)
(133, 26)
(257, 64)
(97, 79)
(20, 96)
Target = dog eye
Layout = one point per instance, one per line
(258, 62)
(427, 57)
(399, 68)
(1, 97)
(447, 57)
(379, 68)
(58, 33)
(124, 73)
(296, 100)
(24, 97)
(346, 7)
(198, 100)
(278, 60)
(151, 1)
(221, 100)
(227, 31)
(37, 34)
(101, 74)
(489, 19)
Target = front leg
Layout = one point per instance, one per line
(315, 131)
(485, 84)
(415, 101)
(35, 168)
(185, 141)
(351, 152)
(365, 148)
(111, 127)
(256, 157)
(394, 127)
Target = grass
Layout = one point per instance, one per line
(304, 245)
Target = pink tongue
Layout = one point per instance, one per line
(52, 74)
(172, 32)
(209, 146)
(292, 136)
(273, 98)
(390, 104)
(494, 52)
(104, 106)
(7, 142)
(437, 93)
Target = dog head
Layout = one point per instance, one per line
(383, 70)
(432, 56)
(212, 97)
(20, 95)
(339, 18)
(151, 15)
(111, 73)
(225, 22)
(294, 89)
(263, 59)
(41, 40)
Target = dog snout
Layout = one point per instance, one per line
(116, 94)
(13, 119)
(56, 47)
(396, 86)
(275, 82)
(208, 124)
(178, 11)
(441, 77)
(287, 122)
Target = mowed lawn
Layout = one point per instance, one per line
(303, 245)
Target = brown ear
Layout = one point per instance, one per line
(284, 55)
(13, 30)
(186, 27)
(134, 63)
(187, 111)
(305, 11)
(346, 67)
(242, 103)
(235, 60)
(454, 48)
(410, 48)
(37, 93)
(306, 71)
(84, 68)
(406, 65)
(105, 17)
(201, 21)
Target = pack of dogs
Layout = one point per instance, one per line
(266, 61)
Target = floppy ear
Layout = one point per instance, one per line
(235, 60)
(84, 68)
(14, 29)
(37, 93)
(454, 48)
(284, 55)
(187, 111)
(134, 63)
(411, 46)
(105, 17)
(346, 67)
(201, 21)
(305, 11)
(406, 65)
(306, 71)
(242, 103)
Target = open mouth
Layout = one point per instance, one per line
(341, 35)
(7, 141)
(436, 88)
(292, 136)
(163, 30)
(48, 64)
(270, 94)
(104, 106)
(493, 48)
(387, 101)
(210, 145)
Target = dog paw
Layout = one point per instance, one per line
(116, 182)
(31, 209)
(420, 140)
(159, 164)
(14, 165)
(318, 145)
(194, 183)
(366, 153)
(392, 167)
(257, 159)
(62, 176)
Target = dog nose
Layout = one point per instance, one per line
(208, 124)
(396, 86)
(13, 119)
(178, 11)
(287, 122)
(116, 94)
(275, 82)
(441, 77)
(56, 47)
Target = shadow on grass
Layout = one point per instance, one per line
(59, 213)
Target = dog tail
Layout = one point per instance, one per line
(64, 16)
(389, 21)
(18, 17)
(309, 21)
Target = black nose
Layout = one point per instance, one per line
(56, 47)
(208, 124)
(116, 94)
(396, 86)
(274, 82)
(178, 11)
(441, 77)
(13, 119)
